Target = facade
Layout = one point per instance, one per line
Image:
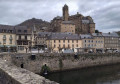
(111, 41)
(87, 43)
(59, 41)
(98, 42)
(68, 26)
(83, 25)
(7, 38)
(23, 38)
(41, 39)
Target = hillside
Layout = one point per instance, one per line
(39, 24)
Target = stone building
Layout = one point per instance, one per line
(41, 39)
(7, 38)
(68, 26)
(87, 43)
(59, 41)
(23, 38)
(83, 24)
(98, 42)
(111, 41)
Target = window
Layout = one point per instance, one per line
(25, 43)
(68, 46)
(54, 41)
(59, 46)
(88, 45)
(25, 37)
(77, 41)
(10, 41)
(76, 45)
(59, 41)
(10, 37)
(4, 41)
(25, 31)
(85, 41)
(72, 46)
(19, 37)
(3, 30)
(63, 41)
(72, 41)
(19, 31)
(4, 36)
(68, 41)
(54, 45)
(10, 31)
(21, 48)
(63, 45)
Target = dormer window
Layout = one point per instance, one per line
(25, 31)
(19, 31)
(3, 30)
(10, 31)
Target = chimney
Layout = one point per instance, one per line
(100, 32)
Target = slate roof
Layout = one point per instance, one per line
(43, 34)
(86, 21)
(97, 34)
(7, 29)
(86, 36)
(23, 29)
(67, 22)
(58, 17)
(60, 36)
(110, 34)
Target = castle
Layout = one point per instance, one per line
(83, 25)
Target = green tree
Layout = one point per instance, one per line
(96, 31)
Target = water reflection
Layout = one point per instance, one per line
(95, 75)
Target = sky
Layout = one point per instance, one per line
(105, 13)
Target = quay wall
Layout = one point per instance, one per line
(61, 62)
(11, 74)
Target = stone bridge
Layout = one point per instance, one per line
(11, 74)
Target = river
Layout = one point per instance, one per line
(95, 75)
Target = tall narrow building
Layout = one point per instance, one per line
(65, 13)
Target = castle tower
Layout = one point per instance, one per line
(65, 13)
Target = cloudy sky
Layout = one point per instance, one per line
(106, 13)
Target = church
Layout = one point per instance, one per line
(74, 24)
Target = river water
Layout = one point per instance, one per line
(95, 75)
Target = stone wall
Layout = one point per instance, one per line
(58, 62)
(10, 74)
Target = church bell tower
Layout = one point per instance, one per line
(65, 13)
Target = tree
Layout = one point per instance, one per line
(96, 31)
